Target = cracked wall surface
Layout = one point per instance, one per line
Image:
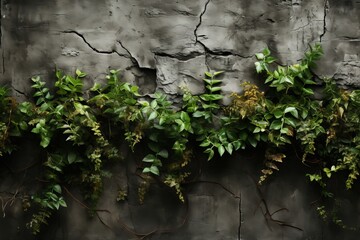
(164, 45)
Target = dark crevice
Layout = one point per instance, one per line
(221, 52)
(240, 219)
(179, 56)
(270, 20)
(1, 39)
(3, 58)
(133, 59)
(93, 48)
(206, 49)
(200, 20)
(18, 91)
(326, 8)
(185, 13)
(1, 6)
(355, 39)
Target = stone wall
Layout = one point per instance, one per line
(161, 45)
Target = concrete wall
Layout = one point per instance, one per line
(160, 45)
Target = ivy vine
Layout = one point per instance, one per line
(79, 136)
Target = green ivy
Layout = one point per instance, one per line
(79, 135)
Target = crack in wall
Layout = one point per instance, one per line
(200, 20)
(19, 92)
(1, 39)
(208, 50)
(351, 39)
(240, 219)
(133, 59)
(179, 56)
(93, 48)
(326, 8)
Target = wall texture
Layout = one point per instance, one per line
(161, 45)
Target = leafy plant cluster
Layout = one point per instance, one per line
(79, 136)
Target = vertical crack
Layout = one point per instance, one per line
(1, 38)
(200, 20)
(133, 59)
(326, 8)
(240, 218)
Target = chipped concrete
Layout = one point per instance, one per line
(163, 46)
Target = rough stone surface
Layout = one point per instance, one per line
(162, 46)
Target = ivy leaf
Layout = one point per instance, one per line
(229, 148)
(275, 125)
(62, 202)
(266, 52)
(221, 150)
(259, 67)
(57, 188)
(278, 113)
(184, 116)
(237, 145)
(210, 152)
(152, 116)
(252, 141)
(198, 114)
(154, 170)
(153, 104)
(260, 56)
(163, 153)
(149, 158)
(293, 111)
(71, 157)
(79, 73)
(208, 74)
(218, 73)
(308, 91)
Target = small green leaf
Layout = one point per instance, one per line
(152, 116)
(308, 91)
(275, 125)
(278, 113)
(184, 116)
(256, 130)
(163, 153)
(310, 82)
(153, 104)
(57, 188)
(237, 145)
(252, 141)
(62, 202)
(293, 111)
(218, 73)
(154, 170)
(304, 113)
(149, 158)
(205, 143)
(71, 157)
(260, 56)
(198, 114)
(266, 52)
(229, 148)
(221, 150)
(259, 67)
(208, 74)
(161, 120)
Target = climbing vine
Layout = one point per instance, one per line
(78, 136)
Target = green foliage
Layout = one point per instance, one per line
(79, 136)
(12, 122)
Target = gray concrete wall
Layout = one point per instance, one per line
(160, 45)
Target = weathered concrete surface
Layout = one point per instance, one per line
(162, 45)
(150, 37)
